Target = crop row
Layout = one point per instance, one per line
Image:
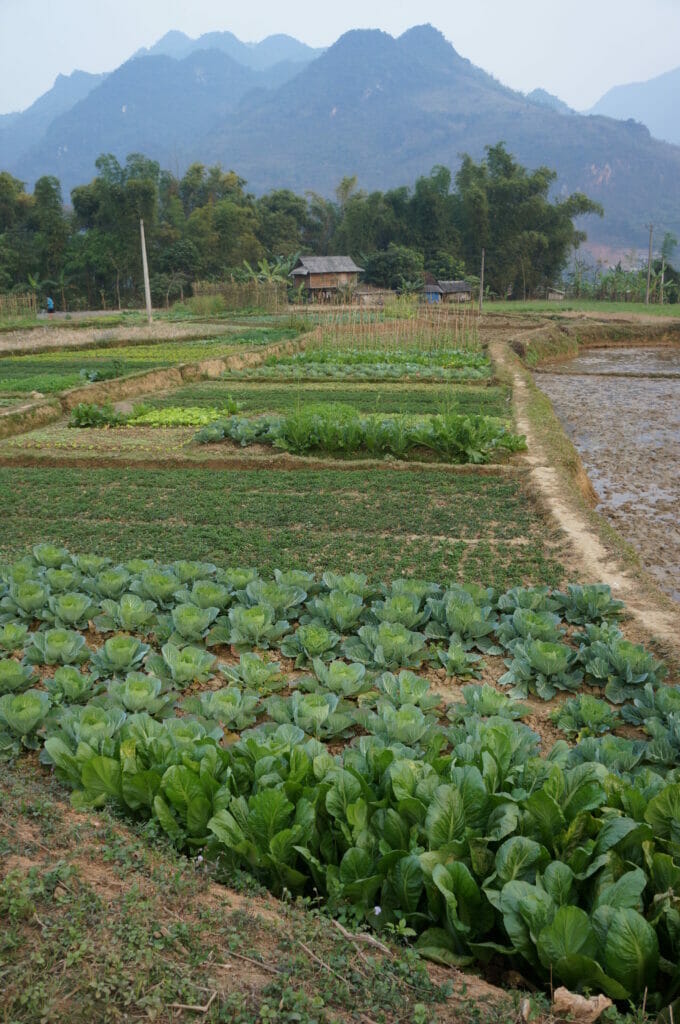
(566, 866)
(341, 430)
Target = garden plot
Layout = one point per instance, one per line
(463, 525)
(489, 400)
(291, 724)
(51, 372)
(373, 363)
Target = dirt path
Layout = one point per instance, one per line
(594, 561)
(43, 339)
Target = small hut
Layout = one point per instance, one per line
(456, 291)
(555, 295)
(322, 277)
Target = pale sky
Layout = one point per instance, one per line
(576, 49)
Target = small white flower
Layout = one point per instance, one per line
(199, 859)
(377, 911)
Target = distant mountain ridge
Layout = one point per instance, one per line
(275, 49)
(386, 109)
(654, 103)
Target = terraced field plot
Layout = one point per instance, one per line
(386, 397)
(434, 523)
(50, 372)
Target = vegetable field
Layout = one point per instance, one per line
(289, 725)
(377, 690)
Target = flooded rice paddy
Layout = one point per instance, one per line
(621, 409)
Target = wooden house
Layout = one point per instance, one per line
(555, 295)
(322, 277)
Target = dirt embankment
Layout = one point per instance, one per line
(554, 341)
(40, 413)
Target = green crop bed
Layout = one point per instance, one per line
(255, 398)
(324, 758)
(444, 525)
(50, 372)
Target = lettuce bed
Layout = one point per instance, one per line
(340, 772)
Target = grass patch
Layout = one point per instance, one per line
(435, 525)
(50, 372)
(101, 921)
(255, 398)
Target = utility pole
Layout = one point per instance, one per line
(145, 265)
(663, 275)
(649, 264)
(481, 283)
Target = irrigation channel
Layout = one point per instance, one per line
(621, 409)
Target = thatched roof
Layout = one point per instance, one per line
(325, 265)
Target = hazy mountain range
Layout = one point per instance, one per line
(655, 103)
(285, 115)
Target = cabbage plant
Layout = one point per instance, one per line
(190, 624)
(50, 556)
(298, 578)
(460, 662)
(350, 583)
(190, 572)
(311, 640)
(525, 623)
(590, 603)
(120, 655)
(389, 645)
(535, 599)
(249, 627)
(15, 677)
(182, 665)
(90, 565)
(57, 647)
(24, 601)
(71, 611)
(543, 668)
(13, 637)
(236, 578)
(407, 688)
(255, 674)
(283, 599)
(407, 724)
(337, 609)
(89, 724)
(70, 686)
(110, 583)
(233, 709)
(621, 666)
(403, 608)
(318, 714)
(485, 701)
(21, 716)
(341, 678)
(205, 594)
(131, 613)
(139, 692)
(653, 704)
(459, 615)
(585, 715)
(158, 586)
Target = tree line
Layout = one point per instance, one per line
(205, 225)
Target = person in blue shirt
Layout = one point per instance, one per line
(50, 304)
